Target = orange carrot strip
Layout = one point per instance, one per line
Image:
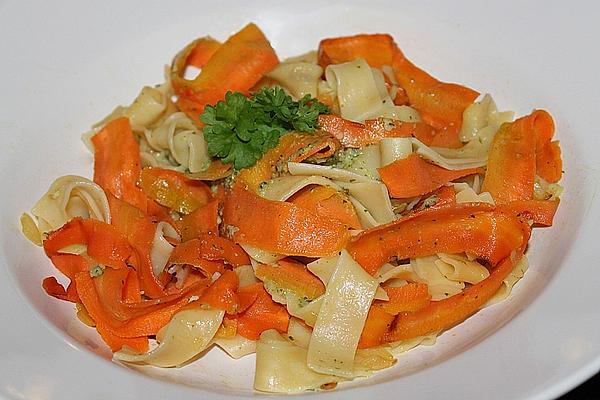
(327, 202)
(174, 190)
(202, 51)
(102, 297)
(189, 253)
(235, 66)
(440, 104)
(293, 276)
(291, 230)
(117, 164)
(247, 296)
(401, 98)
(446, 313)
(105, 245)
(355, 134)
(292, 147)
(215, 171)
(209, 247)
(70, 264)
(476, 228)
(196, 53)
(222, 294)
(408, 298)
(413, 176)
(376, 49)
(548, 162)
(220, 248)
(377, 324)
(541, 212)
(116, 343)
(202, 220)
(139, 230)
(73, 232)
(262, 315)
(511, 161)
(444, 197)
(56, 290)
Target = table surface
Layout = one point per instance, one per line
(589, 390)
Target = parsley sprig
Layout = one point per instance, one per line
(239, 130)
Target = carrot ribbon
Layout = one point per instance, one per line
(117, 164)
(235, 66)
(476, 228)
(260, 312)
(291, 230)
(355, 134)
(294, 147)
(377, 50)
(327, 202)
(440, 104)
(413, 176)
(174, 190)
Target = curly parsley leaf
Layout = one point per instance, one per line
(239, 130)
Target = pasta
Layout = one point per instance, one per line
(335, 337)
(326, 213)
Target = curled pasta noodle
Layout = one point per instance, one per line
(393, 149)
(452, 163)
(323, 268)
(262, 256)
(466, 194)
(281, 367)
(366, 361)
(459, 268)
(364, 216)
(402, 346)
(373, 197)
(282, 188)
(68, 197)
(388, 272)
(361, 93)
(298, 78)
(161, 249)
(543, 190)
(338, 174)
(181, 140)
(341, 318)
(367, 162)
(481, 121)
(146, 109)
(187, 334)
(237, 346)
(439, 286)
(245, 274)
(507, 284)
(301, 309)
(299, 333)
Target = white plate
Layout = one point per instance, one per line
(66, 64)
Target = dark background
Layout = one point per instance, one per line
(589, 390)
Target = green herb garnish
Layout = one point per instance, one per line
(96, 271)
(240, 130)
